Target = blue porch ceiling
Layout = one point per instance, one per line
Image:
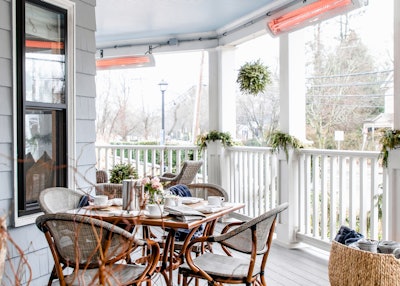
(123, 21)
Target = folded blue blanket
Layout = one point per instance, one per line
(347, 235)
(183, 191)
(180, 190)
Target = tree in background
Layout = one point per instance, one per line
(343, 88)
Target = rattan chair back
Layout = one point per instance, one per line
(59, 199)
(101, 176)
(203, 190)
(111, 190)
(186, 175)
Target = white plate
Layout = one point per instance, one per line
(125, 213)
(146, 213)
(190, 200)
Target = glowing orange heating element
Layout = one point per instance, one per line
(123, 61)
(292, 19)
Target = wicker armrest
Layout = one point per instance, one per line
(167, 177)
(154, 256)
(229, 226)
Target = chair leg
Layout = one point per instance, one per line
(185, 281)
(53, 275)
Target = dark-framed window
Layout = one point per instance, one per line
(42, 107)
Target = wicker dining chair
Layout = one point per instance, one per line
(93, 249)
(101, 176)
(198, 190)
(203, 190)
(59, 199)
(186, 175)
(253, 238)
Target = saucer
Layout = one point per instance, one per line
(146, 214)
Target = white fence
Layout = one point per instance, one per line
(333, 187)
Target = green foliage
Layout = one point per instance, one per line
(389, 140)
(122, 172)
(253, 77)
(214, 135)
(282, 141)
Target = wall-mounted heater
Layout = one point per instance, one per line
(127, 61)
(300, 13)
(136, 61)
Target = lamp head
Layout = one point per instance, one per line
(163, 85)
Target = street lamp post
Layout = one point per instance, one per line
(163, 87)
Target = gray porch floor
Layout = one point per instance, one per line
(303, 266)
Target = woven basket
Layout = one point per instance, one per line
(349, 266)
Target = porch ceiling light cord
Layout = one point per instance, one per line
(287, 5)
(261, 18)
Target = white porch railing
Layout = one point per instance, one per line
(340, 188)
(148, 160)
(332, 187)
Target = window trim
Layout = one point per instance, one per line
(71, 114)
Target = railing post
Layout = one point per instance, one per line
(286, 226)
(217, 165)
(393, 199)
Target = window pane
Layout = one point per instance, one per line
(44, 55)
(39, 149)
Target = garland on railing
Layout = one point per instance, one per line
(214, 135)
(279, 140)
(390, 140)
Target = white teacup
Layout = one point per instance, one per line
(173, 201)
(155, 209)
(100, 200)
(215, 200)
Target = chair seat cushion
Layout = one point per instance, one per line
(116, 274)
(221, 266)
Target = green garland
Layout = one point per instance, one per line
(279, 140)
(390, 140)
(214, 135)
(253, 77)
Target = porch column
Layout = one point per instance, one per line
(222, 83)
(222, 109)
(393, 200)
(396, 71)
(292, 121)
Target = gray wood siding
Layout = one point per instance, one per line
(29, 238)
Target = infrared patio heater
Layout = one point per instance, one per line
(294, 15)
(121, 62)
